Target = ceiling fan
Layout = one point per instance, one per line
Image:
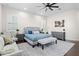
(49, 6)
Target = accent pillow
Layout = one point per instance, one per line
(36, 32)
(8, 40)
(30, 32)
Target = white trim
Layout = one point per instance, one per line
(73, 39)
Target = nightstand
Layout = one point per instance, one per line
(20, 38)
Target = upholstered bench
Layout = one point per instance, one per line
(45, 41)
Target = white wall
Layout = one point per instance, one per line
(24, 19)
(71, 24)
(0, 18)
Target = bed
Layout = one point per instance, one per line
(36, 37)
(33, 38)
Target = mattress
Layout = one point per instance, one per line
(36, 37)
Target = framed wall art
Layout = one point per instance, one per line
(59, 23)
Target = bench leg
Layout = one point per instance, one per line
(33, 46)
(42, 47)
(38, 44)
(56, 41)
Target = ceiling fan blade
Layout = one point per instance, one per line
(48, 3)
(46, 10)
(43, 3)
(50, 8)
(53, 3)
(42, 8)
(55, 6)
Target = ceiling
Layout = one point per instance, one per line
(32, 7)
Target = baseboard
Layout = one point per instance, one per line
(73, 40)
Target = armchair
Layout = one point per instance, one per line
(10, 49)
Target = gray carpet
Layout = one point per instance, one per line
(59, 49)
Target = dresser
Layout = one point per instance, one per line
(59, 35)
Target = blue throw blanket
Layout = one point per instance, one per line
(35, 37)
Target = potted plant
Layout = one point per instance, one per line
(2, 33)
(17, 31)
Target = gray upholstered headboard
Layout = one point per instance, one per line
(59, 35)
(26, 29)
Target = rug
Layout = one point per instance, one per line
(59, 49)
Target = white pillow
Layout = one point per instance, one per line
(35, 32)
